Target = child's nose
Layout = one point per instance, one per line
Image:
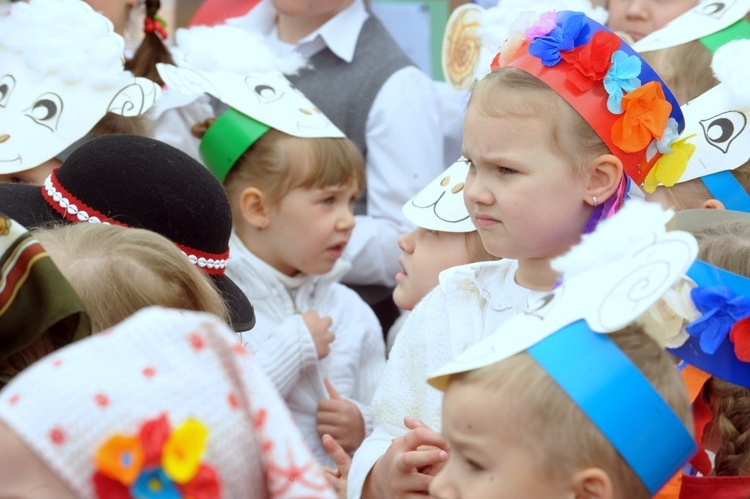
(406, 242)
(636, 9)
(345, 221)
(476, 193)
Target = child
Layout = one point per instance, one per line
(525, 416)
(292, 180)
(638, 18)
(164, 404)
(119, 270)
(362, 80)
(59, 90)
(534, 186)
(39, 310)
(140, 182)
(445, 237)
(714, 340)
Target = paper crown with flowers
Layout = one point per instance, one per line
(215, 61)
(609, 280)
(618, 94)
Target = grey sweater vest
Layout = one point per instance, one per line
(346, 91)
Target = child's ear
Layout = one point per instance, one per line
(603, 175)
(713, 204)
(254, 208)
(592, 483)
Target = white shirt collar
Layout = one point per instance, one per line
(339, 34)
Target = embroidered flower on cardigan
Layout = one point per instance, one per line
(158, 462)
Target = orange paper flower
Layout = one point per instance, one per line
(645, 115)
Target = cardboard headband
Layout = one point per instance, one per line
(565, 332)
(719, 340)
(440, 205)
(618, 94)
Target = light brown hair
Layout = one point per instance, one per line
(278, 163)
(511, 91)
(562, 438)
(117, 271)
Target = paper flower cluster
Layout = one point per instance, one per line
(158, 462)
(567, 42)
(724, 314)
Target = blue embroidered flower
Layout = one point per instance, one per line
(721, 309)
(572, 33)
(155, 484)
(621, 79)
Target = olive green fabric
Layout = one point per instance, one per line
(34, 296)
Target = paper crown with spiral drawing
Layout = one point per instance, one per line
(618, 94)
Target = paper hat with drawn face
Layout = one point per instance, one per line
(718, 122)
(258, 93)
(473, 34)
(618, 94)
(440, 205)
(714, 23)
(61, 71)
(610, 279)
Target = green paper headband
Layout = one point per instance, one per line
(227, 139)
(737, 31)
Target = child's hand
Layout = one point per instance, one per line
(319, 328)
(338, 477)
(409, 464)
(340, 419)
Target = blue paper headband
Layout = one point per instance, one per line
(619, 400)
(724, 299)
(724, 187)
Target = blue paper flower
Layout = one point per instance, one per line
(571, 33)
(621, 79)
(721, 308)
(155, 484)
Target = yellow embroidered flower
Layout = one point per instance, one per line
(183, 451)
(120, 458)
(670, 167)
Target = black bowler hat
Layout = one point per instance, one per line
(139, 182)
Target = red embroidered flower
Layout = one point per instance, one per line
(740, 336)
(591, 62)
(644, 117)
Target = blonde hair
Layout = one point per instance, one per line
(475, 248)
(511, 91)
(117, 271)
(275, 164)
(728, 246)
(562, 438)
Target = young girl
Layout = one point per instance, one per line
(165, 404)
(292, 201)
(445, 237)
(535, 184)
(119, 270)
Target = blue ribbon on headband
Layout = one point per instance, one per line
(724, 187)
(619, 400)
(723, 363)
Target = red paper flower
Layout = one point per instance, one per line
(591, 62)
(644, 117)
(740, 336)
